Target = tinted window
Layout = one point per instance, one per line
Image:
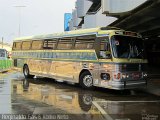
(26, 45)
(81, 44)
(65, 44)
(17, 46)
(50, 44)
(37, 45)
(105, 44)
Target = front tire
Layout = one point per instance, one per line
(26, 72)
(86, 80)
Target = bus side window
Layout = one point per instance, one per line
(85, 42)
(105, 44)
(17, 46)
(26, 45)
(37, 44)
(105, 51)
(50, 44)
(65, 43)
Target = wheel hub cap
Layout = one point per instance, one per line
(87, 80)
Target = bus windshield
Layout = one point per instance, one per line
(127, 47)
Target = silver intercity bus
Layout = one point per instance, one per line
(104, 57)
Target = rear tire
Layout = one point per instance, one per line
(86, 80)
(26, 72)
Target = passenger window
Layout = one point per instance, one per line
(26, 45)
(65, 44)
(105, 44)
(105, 51)
(85, 42)
(50, 44)
(37, 44)
(17, 46)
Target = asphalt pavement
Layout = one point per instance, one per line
(47, 99)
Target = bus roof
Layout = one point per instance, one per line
(92, 31)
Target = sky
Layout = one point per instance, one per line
(36, 17)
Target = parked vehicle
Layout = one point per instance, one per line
(104, 57)
(5, 61)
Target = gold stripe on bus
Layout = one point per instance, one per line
(57, 51)
(131, 60)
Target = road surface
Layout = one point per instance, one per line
(43, 98)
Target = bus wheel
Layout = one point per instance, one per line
(26, 72)
(86, 80)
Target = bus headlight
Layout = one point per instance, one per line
(105, 76)
(125, 75)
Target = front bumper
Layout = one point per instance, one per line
(120, 85)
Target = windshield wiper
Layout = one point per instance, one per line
(140, 53)
(130, 49)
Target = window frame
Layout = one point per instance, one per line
(66, 39)
(49, 48)
(37, 49)
(82, 40)
(29, 46)
(14, 45)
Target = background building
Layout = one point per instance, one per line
(67, 18)
(133, 15)
(100, 13)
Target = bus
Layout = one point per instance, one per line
(105, 57)
(5, 61)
